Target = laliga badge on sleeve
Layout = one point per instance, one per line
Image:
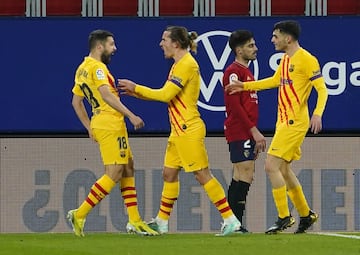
(100, 74)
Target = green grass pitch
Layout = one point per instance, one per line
(177, 244)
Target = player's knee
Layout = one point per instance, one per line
(269, 167)
(170, 176)
(115, 172)
(203, 176)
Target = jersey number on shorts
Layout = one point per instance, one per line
(122, 142)
(89, 95)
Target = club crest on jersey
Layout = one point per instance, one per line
(100, 74)
(291, 68)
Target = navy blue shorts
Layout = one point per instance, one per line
(242, 150)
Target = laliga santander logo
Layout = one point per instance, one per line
(207, 88)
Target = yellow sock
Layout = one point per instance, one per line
(281, 202)
(128, 193)
(169, 195)
(99, 190)
(297, 197)
(217, 196)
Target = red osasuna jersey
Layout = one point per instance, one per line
(241, 108)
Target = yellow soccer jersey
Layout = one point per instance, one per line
(181, 92)
(90, 75)
(295, 77)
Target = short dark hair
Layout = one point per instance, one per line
(290, 27)
(98, 35)
(239, 38)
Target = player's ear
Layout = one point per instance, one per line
(238, 50)
(99, 46)
(289, 39)
(177, 45)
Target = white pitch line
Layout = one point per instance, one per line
(336, 235)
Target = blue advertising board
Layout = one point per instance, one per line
(40, 55)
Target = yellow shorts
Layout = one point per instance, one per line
(114, 146)
(188, 152)
(286, 143)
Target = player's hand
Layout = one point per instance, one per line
(126, 86)
(91, 136)
(234, 86)
(137, 122)
(260, 140)
(260, 145)
(315, 124)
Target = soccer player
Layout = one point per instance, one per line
(181, 92)
(240, 126)
(107, 127)
(297, 74)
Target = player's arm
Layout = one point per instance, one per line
(115, 103)
(236, 107)
(322, 95)
(170, 89)
(234, 102)
(164, 94)
(78, 105)
(267, 83)
(317, 80)
(260, 140)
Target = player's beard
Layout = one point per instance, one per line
(105, 58)
(250, 58)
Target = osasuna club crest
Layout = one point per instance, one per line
(218, 57)
(246, 153)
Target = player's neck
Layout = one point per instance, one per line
(94, 56)
(242, 62)
(291, 49)
(179, 54)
